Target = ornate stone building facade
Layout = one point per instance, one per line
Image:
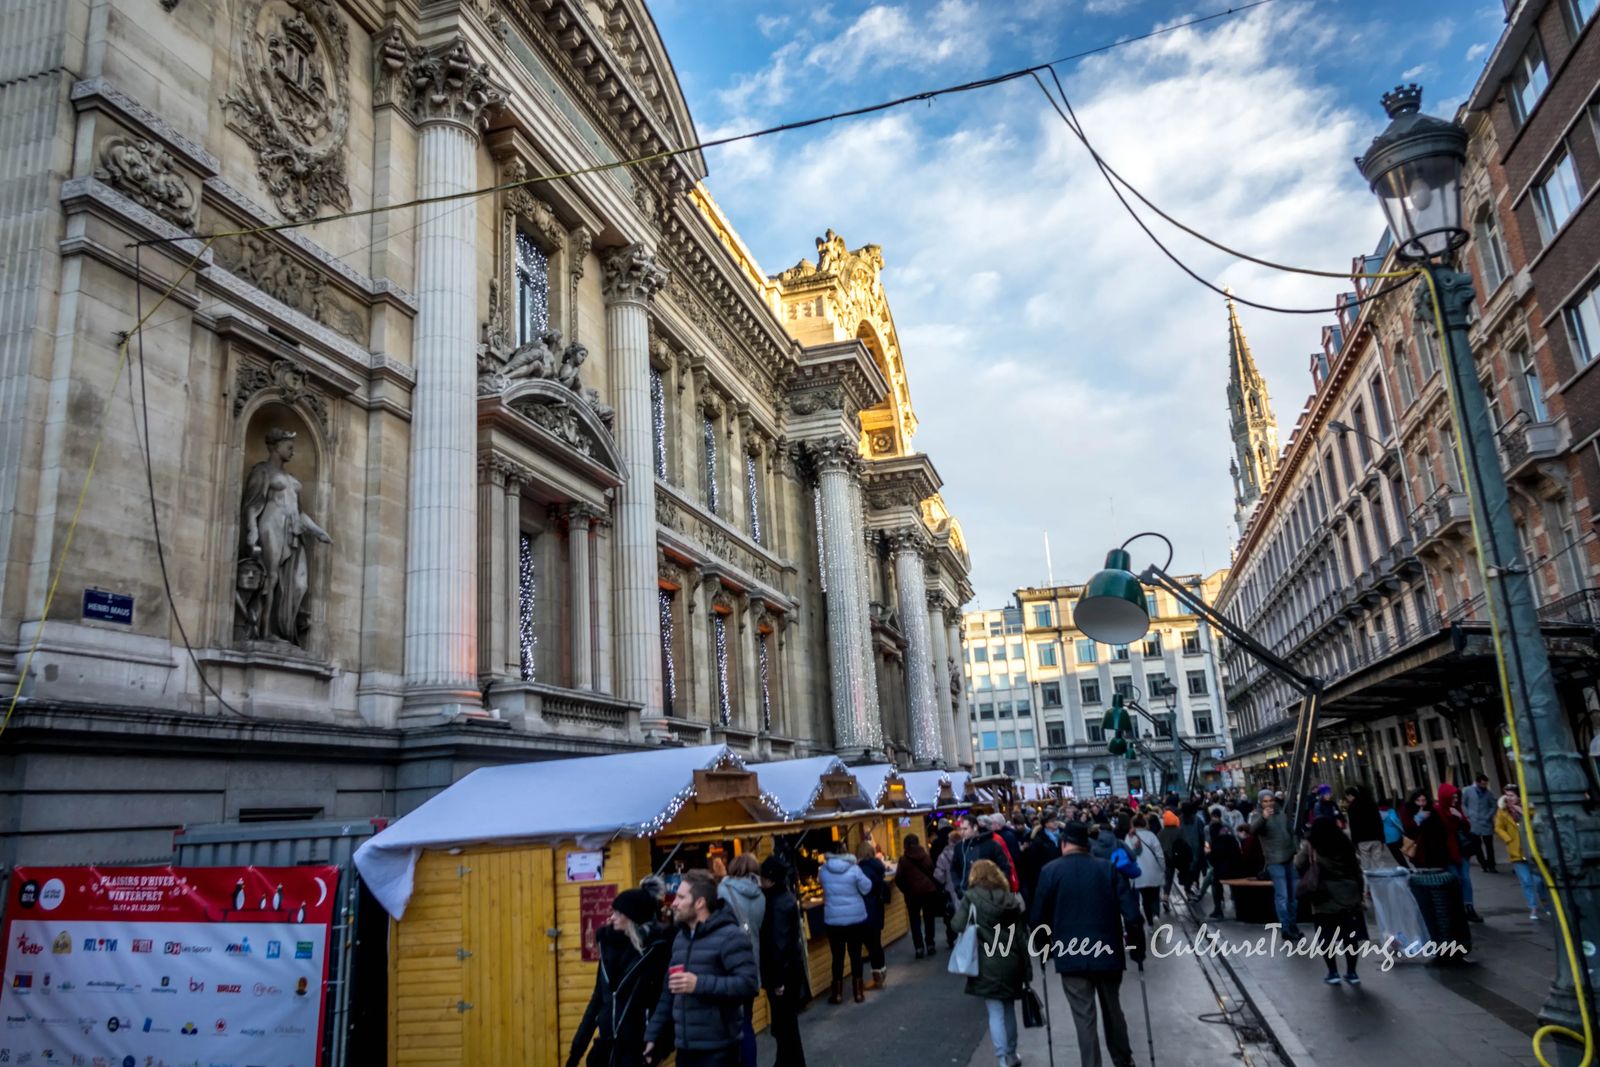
(1250, 420)
(547, 469)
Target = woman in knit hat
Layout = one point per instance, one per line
(634, 950)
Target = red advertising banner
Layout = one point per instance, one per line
(594, 911)
(166, 964)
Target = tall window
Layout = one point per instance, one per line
(1089, 690)
(1583, 324)
(1363, 441)
(1122, 687)
(1191, 643)
(1491, 249)
(1402, 375)
(527, 638)
(1055, 734)
(764, 675)
(1529, 385)
(1428, 354)
(753, 490)
(658, 421)
(1557, 195)
(1041, 615)
(533, 290)
(719, 637)
(1046, 654)
(709, 440)
(1152, 646)
(1050, 694)
(1119, 652)
(1085, 651)
(1528, 81)
(1380, 407)
(1578, 13)
(1197, 683)
(669, 665)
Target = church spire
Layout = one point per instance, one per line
(1255, 431)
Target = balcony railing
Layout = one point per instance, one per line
(1522, 443)
(1439, 516)
(1581, 608)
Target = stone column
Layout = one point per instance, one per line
(952, 625)
(849, 667)
(580, 595)
(600, 556)
(863, 594)
(512, 591)
(942, 704)
(910, 544)
(631, 280)
(491, 592)
(451, 100)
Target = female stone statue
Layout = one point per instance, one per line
(273, 531)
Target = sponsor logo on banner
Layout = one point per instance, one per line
(262, 989)
(274, 949)
(219, 1027)
(252, 1031)
(285, 1028)
(142, 944)
(22, 980)
(28, 946)
(62, 945)
(238, 948)
(196, 986)
(99, 944)
(300, 988)
(302, 950)
(165, 986)
(229, 987)
(190, 1029)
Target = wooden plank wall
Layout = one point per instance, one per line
(508, 909)
(626, 862)
(424, 974)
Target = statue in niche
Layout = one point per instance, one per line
(272, 573)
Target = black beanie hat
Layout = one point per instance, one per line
(774, 869)
(636, 904)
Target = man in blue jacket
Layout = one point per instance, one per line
(711, 977)
(1088, 914)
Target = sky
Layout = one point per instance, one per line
(1068, 379)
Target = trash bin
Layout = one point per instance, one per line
(1438, 895)
(1398, 916)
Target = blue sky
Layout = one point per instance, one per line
(1066, 376)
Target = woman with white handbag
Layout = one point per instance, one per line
(992, 952)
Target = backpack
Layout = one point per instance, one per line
(1124, 863)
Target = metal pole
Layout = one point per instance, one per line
(1567, 834)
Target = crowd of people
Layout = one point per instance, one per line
(681, 964)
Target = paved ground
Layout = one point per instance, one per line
(1483, 1013)
(924, 1018)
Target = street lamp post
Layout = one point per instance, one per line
(1414, 168)
(1112, 610)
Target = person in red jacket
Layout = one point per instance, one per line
(1456, 828)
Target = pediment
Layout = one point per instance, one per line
(564, 425)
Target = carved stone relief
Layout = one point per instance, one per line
(447, 86)
(267, 265)
(143, 172)
(500, 365)
(292, 101)
(817, 400)
(559, 417)
(285, 381)
(272, 577)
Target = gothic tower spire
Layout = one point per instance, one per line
(1254, 429)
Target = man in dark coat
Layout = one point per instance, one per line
(984, 845)
(784, 973)
(1084, 903)
(711, 976)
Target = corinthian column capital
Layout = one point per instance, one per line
(913, 539)
(835, 454)
(447, 86)
(631, 274)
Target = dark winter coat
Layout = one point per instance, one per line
(626, 986)
(1001, 975)
(1084, 900)
(984, 847)
(1226, 858)
(783, 946)
(1339, 884)
(1039, 850)
(1365, 822)
(719, 955)
(879, 893)
(914, 876)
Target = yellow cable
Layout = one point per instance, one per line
(1587, 1037)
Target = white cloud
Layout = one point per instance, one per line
(1413, 72)
(1067, 377)
(771, 25)
(1107, 7)
(1477, 52)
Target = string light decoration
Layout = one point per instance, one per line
(669, 666)
(527, 639)
(725, 759)
(766, 689)
(822, 552)
(658, 421)
(710, 432)
(755, 497)
(533, 290)
(719, 628)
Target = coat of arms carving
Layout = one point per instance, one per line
(291, 100)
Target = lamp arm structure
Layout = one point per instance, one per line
(1194, 753)
(1309, 687)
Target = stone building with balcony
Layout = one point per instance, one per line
(396, 492)
(1360, 566)
(1174, 673)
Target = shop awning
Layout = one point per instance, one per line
(924, 787)
(590, 799)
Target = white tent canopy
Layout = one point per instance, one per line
(923, 787)
(874, 780)
(797, 782)
(592, 800)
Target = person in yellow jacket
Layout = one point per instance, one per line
(1508, 828)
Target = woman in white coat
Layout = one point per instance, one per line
(1145, 848)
